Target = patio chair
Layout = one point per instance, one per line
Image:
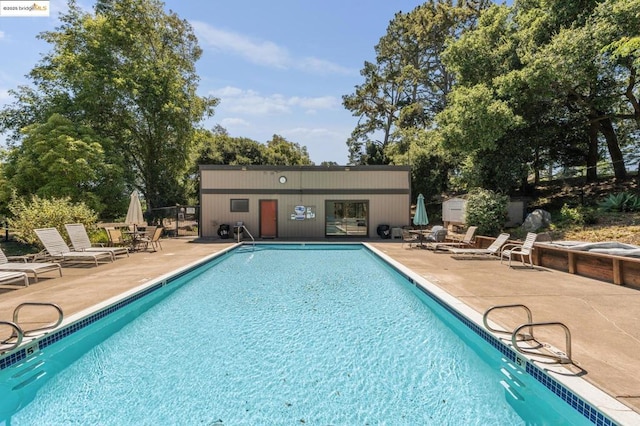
(116, 239)
(438, 234)
(56, 248)
(523, 250)
(152, 238)
(23, 266)
(8, 277)
(80, 241)
(409, 238)
(493, 249)
(466, 241)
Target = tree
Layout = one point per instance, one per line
(220, 148)
(59, 159)
(281, 152)
(217, 147)
(550, 64)
(128, 72)
(408, 84)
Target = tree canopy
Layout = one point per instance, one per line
(499, 93)
(127, 71)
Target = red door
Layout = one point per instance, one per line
(268, 218)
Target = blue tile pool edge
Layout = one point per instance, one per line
(115, 304)
(578, 403)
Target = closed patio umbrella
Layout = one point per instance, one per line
(134, 214)
(420, 218)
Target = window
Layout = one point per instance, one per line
(240, 205)
(347, 218)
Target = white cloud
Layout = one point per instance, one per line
(238, 101)
(261, 52)
(234, 122)
(312, 133)
(256, 51)
(1, 35)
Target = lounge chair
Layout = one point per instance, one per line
(465, 241)
(7, 277)
(80, 241)
(34, 268)
(56, 248)
(493, 249)
(523, 250)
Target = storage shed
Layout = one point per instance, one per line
(453, 211)
(306, 202)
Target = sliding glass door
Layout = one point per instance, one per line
(347, 218)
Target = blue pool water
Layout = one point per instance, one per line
(280, 336)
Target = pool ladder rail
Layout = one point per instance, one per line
(19, 333)
(524, 333)
(244, 229)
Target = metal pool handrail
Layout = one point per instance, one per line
(485, 319)
(253, 241)
(17, 334)
(47, 327)
(564, 358)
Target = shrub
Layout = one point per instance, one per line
(487, 210)
(580, 215)
(46, 213)
(621, 202)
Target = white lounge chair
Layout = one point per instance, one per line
(80, 241)
(56, 248)
(523, 250)
(466, 241)
(34, 268)
(493, 249)
(8, 277)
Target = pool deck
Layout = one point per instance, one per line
(604, 318)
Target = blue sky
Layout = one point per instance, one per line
(278, 67)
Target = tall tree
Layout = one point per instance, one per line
(408, 84)
(128, 72)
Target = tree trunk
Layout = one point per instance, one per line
(536, 166)
(617, 160)
(592, 154)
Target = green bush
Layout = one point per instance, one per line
(621, 202)
(580, 215)
(46, 213)
(487, 210)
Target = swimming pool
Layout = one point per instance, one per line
(283, 334)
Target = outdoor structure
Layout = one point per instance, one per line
(308, 202)
(453, 211)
